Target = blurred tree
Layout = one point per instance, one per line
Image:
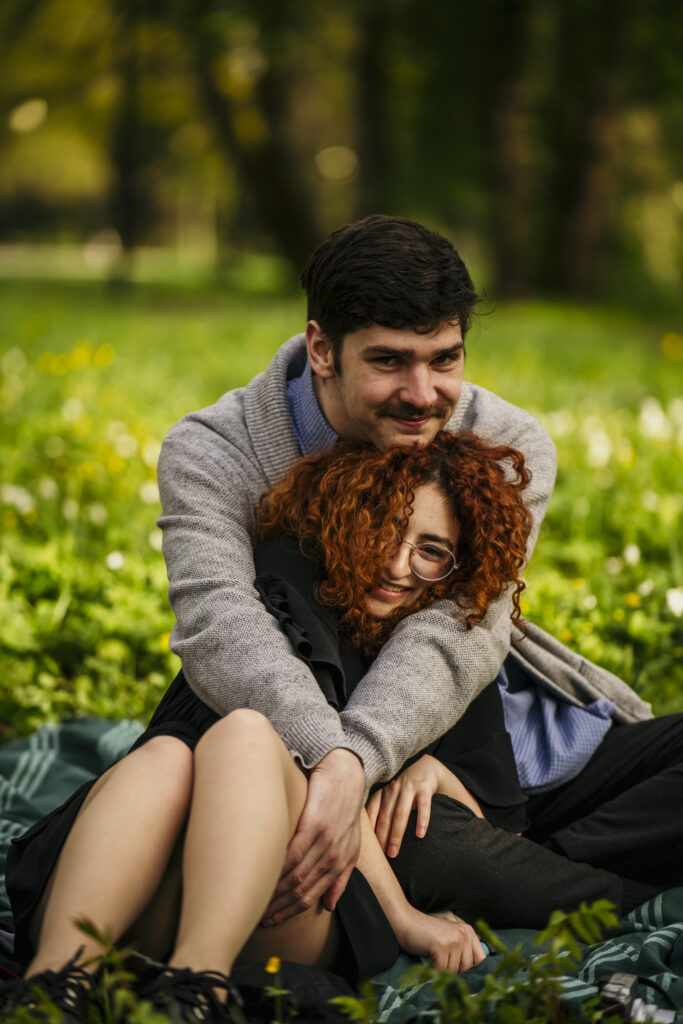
(127, 200)
(245, 90)
(374, 23)
(579, 116)
(546, 135)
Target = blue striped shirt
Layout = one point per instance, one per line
(552, 740)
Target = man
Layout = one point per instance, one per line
(389, 304)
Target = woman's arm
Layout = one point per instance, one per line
(390, 807)
(447, 943)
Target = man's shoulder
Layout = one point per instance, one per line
(496, 420)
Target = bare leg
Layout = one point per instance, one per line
(117, 851)
(247, 798)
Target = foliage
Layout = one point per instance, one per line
(91, 381)
(518, 990)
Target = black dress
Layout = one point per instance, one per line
(477, 748)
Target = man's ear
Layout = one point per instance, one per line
(320, 351)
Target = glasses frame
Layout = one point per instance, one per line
(431, 544)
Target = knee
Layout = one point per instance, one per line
(428, 868)
(166, 752)
(244, 726)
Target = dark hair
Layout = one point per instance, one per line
(388, 271)
(349, 507)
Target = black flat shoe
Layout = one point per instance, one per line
(193, 997)
(66, 989)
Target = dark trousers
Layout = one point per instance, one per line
(613, 832)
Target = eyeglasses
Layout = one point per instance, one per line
(431, 562)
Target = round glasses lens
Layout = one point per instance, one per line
(431, 561)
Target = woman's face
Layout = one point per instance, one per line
(398, 587)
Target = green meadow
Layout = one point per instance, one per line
(91, 380)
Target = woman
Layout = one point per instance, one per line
(176, 849)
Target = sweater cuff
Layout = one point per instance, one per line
(313, 736)
(374, 765)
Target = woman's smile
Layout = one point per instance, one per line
(389, 591)
(398, 587)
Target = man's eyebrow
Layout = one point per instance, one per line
(435, 537)
(381, 350)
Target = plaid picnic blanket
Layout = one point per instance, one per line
(39, 772)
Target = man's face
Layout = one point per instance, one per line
(394, 386)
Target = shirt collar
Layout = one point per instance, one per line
(313, 432)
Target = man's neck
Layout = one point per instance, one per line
(327, 395)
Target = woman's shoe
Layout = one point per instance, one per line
(66, 989)
(189, 997)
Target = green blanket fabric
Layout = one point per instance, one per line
(39, 773)
(649, 944)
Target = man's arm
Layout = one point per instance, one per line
(233, 652)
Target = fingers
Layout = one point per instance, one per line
(324, 866)
(402, 810)
(395, 806)
(424, 813)
(470, 952)
(372, 808)
(331, 897)
(386, 815)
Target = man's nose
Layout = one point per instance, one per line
(398, 566)
(418, 387)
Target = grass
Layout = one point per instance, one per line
(91, 379)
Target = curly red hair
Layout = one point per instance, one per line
(349, 507)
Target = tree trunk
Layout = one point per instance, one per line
(579, 124)
(251, 131)
(125, 201)
(373, 129)
(510, 206)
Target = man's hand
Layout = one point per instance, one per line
(390, 807)
(325, 846)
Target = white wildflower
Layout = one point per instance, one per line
(155, 540)
(72, 409)
(653, 422)
(97, 513)
(599, 449)
(150, 451)
(149, 492)
(115, 560)
(632, 554)
(70, 508)
(18, 497)
(125, 446)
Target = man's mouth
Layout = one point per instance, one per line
(413, 416)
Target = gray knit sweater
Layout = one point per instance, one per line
(214, 466)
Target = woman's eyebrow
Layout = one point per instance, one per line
(435, 537)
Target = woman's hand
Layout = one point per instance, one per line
(390, 807)
(447, 943)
